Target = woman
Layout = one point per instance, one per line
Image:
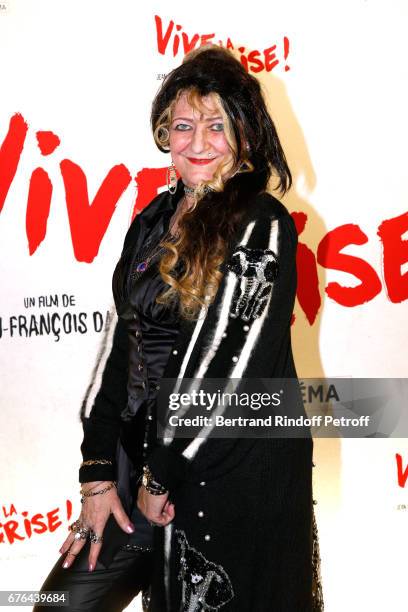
(204, 290)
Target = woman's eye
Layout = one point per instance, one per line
(182, 127)
(217, 127)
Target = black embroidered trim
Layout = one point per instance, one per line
(317, 589)
(206, 585)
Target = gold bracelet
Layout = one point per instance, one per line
(100, 492)
(96, 462)
(85, 494)
(94, 487)
(150, 484)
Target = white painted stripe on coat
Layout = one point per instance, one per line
(221, 325)
(168, 531)
(102, 358)
(191, 450)
(255, 332)
(190, 347)
(236, 373)
(169, 431)
(224, 310)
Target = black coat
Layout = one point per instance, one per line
(242, 536)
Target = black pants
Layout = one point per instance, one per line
(103, 590)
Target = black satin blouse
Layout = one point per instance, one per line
(152, 331)
(152, 327)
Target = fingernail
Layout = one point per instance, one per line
(130, 528)
(91, 567)
(65, 564)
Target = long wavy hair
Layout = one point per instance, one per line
(205, 231)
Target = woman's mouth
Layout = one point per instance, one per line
(198, 161)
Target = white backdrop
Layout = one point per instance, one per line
(87, 72)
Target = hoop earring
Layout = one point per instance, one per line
(171, 178)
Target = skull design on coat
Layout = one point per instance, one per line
(256, 270)
(206, 586)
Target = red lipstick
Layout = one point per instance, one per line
(198, 161)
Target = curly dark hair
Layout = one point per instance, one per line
(257, 152)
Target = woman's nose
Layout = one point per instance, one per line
(198, 141)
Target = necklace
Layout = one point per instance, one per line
(147, 254)
(191, 190)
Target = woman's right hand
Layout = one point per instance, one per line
(94, 515)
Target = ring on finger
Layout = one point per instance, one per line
(78, 528)
(95, 539)
(75, 526)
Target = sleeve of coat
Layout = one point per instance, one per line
(101, 428)
(241, 338)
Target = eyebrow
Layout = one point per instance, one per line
(191, 119)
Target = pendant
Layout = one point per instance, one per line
(141, 267)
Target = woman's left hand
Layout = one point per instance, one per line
(156, 508)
